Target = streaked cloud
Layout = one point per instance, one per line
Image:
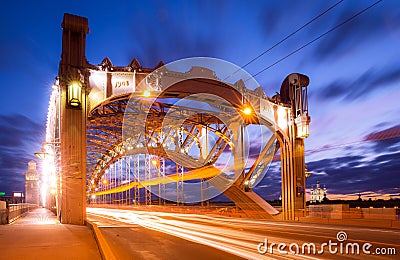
(20, 137)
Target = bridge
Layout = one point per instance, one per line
(137, 153)
(174, 134)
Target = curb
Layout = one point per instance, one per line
(104, 247)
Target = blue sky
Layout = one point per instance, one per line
(354, 73)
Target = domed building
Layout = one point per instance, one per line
(32, 184)
(318, 194)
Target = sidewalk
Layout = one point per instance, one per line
(38, 235)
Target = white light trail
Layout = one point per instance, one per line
(222, 233)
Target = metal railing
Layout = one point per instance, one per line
(3, 216)
(15, 211)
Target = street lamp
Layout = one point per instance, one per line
(302, 123)
(247, 110)
(154, 162)
(41, 155)
(146, 93)
(74, 94)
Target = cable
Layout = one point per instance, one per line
(284, 39)
(315, 39)
(334, 147)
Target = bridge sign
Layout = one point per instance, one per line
(17, 194)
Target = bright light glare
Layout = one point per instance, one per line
(154, 162)
(146, 93)
(247, 111)
(282, 117)
(44, 193)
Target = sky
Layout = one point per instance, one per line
(354, 93)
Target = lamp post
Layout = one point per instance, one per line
(41, 155)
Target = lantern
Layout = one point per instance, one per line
(302, 123)
(74, 94)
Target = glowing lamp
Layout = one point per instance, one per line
(74, 94)
(302, 123)
(104, 182)
(154, 162)
(146, 93)
(282, 117)
(247, 186)
(247, 110)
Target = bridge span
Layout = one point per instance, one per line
(182, 132)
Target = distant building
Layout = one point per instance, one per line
(318, 194)
(32, 185)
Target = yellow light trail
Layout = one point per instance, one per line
(201, 173)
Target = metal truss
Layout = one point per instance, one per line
(165, 141)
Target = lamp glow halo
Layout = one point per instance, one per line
(206, 99)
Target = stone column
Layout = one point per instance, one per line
(72, 69)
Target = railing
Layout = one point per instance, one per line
(3, 216)
(15, 211)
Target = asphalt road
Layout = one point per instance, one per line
(223, 238)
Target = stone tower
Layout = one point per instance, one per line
(32, 184)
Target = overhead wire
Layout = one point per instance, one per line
(317, 38)
(284, 39)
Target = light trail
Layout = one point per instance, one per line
(241, 236)
(204, 172)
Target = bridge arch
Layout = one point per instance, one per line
(93, 121)
(149, 104)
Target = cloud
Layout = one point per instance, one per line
(382, 19)
(269, 18)
(20, 137)
(352, 174)
(370, 166)
(374, 168)
(318, 173)
(167, 36)
(393, 132)
(385, 140)
(381, 194)
(369, 81)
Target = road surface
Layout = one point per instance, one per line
(252, 239)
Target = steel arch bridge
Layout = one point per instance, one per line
(129, 132)
(161, 142)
